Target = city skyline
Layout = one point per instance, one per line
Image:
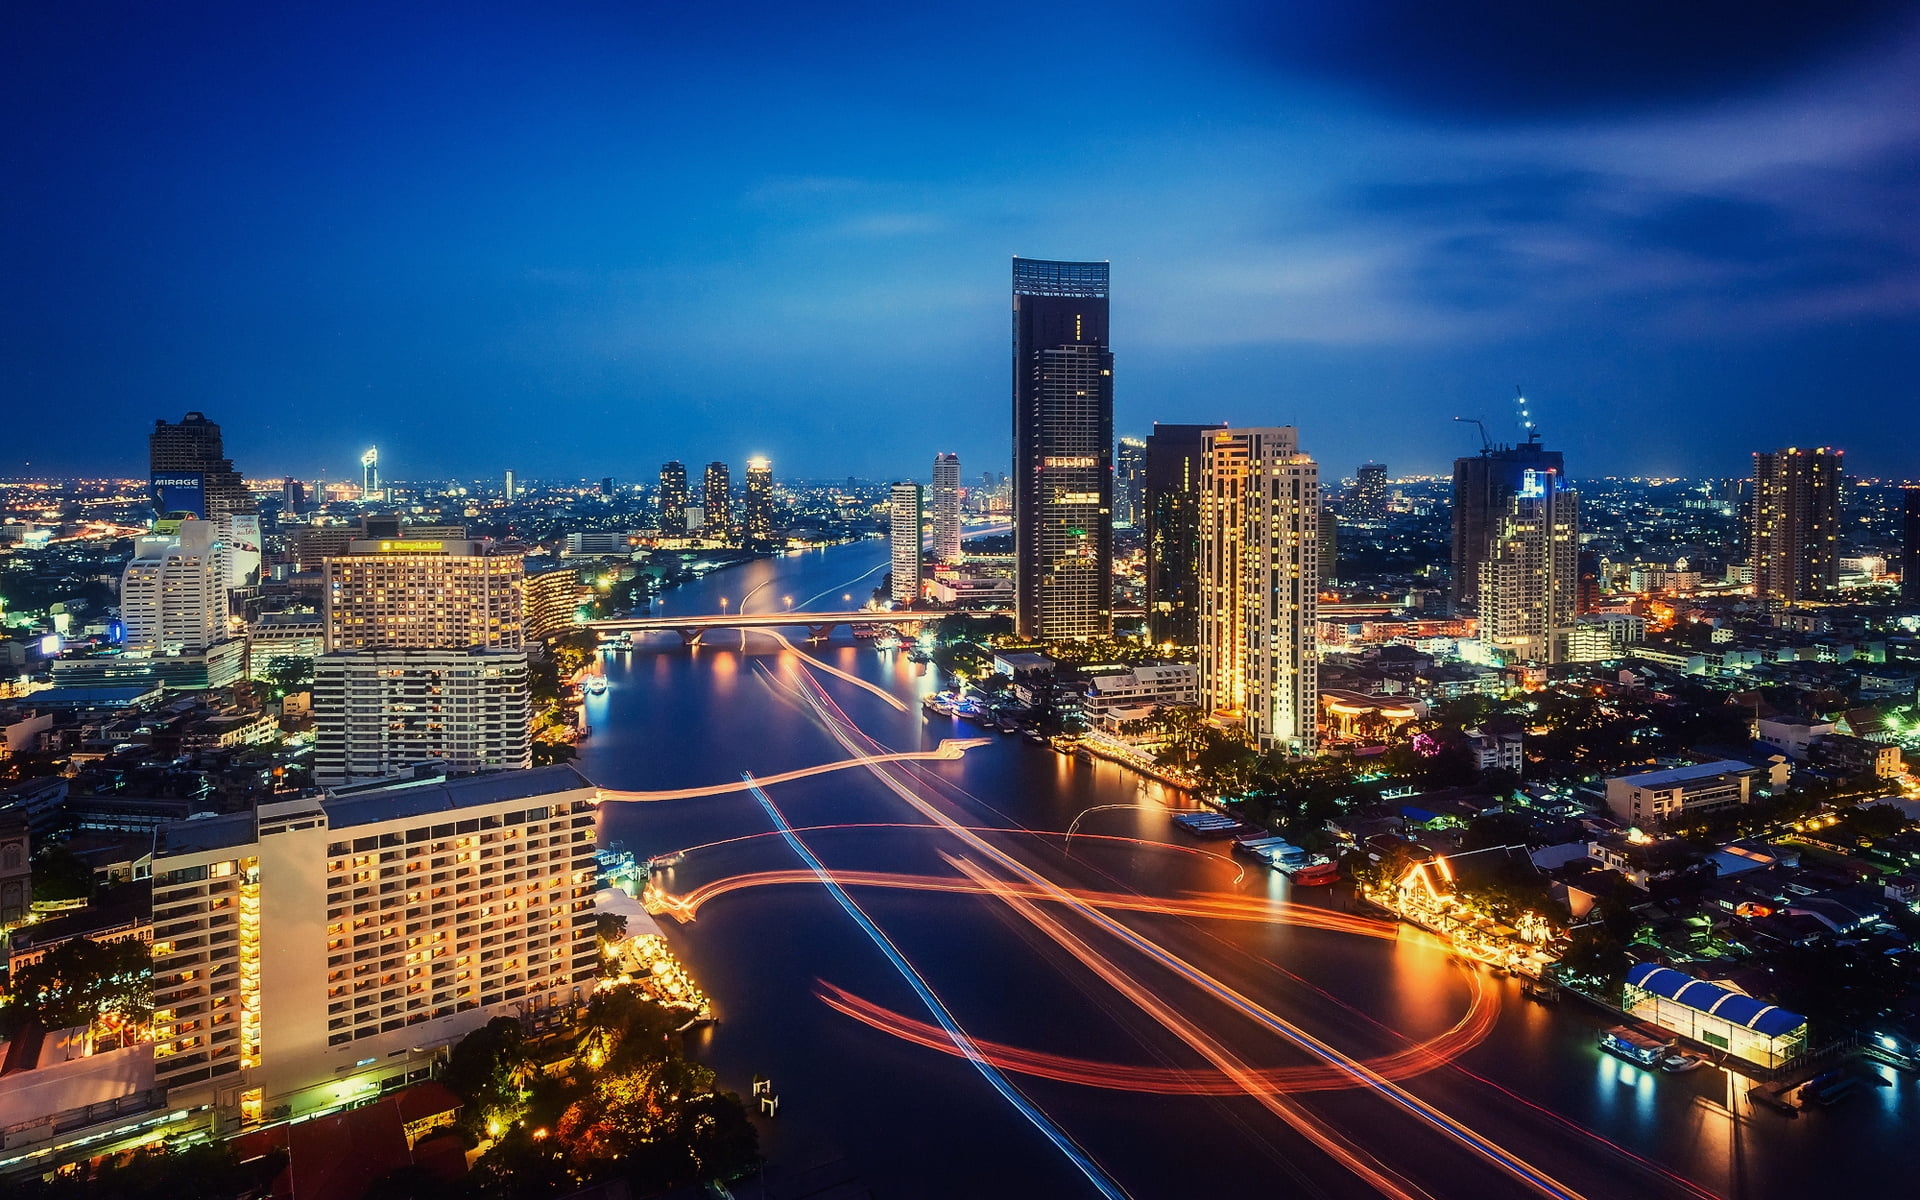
(1714, 225)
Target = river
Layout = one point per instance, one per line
(1529, 1107)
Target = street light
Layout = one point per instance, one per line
(789, 600)
(723, 605)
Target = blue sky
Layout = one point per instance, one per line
(579, 239)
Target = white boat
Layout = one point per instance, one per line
(597, 685)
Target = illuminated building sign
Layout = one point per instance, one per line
(1533, 484)
(1077, 462)
(1077, 498)
(391, 547)
(179, 492)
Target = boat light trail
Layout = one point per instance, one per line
(948, 750)
(1081, 1160)
(816, 664)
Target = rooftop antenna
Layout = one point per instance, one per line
(1526, 416)
(1486, 443)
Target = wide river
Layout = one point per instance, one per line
(1131, 1033)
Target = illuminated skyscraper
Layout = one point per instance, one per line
(1794, 525)
(1172, 503)
(1129, 483)
(717, 496)
(1530, 575)
(1910, 547)
(370, 474)
(190, 472)
(946, 507)
(1062, 450)
(759, 510)
(173, 596)
(673, 498)
(1259, 584)
(510, 490)
(1369, 500)
(425, 594)
(904, 513)
(1482, 487)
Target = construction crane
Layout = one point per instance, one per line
(1486, 443)
(1526, 416)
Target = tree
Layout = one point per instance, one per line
(84, 982)
(60, 874)
(490, 1069)
(662, 1122)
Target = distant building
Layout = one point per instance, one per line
(673, 498)
(331, 946)
(380, 712)
(510, 491)
(1062, 450)
(1129, 483)
(904, 536)
(1483, 488)
(759, 509)
(1652, 799)
(1910, 547)
(1795, 735)
(946, 508)
(1172, 501)
(601, 543)
(1259, 584)
(1596, 637)
(1857, 756)
(1368, 501)
(1794, 523)
(190, 473)
(716, 497)
(1529, 566)
(553, 600)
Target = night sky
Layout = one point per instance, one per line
(579, 239)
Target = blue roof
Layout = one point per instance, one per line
(1701, 996)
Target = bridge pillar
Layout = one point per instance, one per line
(690, 637)
(820, 633)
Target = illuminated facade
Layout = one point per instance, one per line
(382, 711)
(673, 498)
(717, 498)
(312, 952)
(1368, 501)
(946, 507)
(412, 593)
(904, 537)
(553, 601)
(1062, 450)
(1483, 486)
(759, 507)
(1259, 580)
(1714, 1016)
(1794, 524)
(1173, 532)
(1129, 483)
(173, 596)
(1530, 572)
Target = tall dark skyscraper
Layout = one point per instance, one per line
(1484, 487)
(1171, 497)
(759, 514)
(1368, 500)
(190, 471)
(1910, 547)
(1794, 529)
(673, 498)
(1062, 449)
(717, 495)
(1129, 483)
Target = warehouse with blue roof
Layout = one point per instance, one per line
(1761, 1033)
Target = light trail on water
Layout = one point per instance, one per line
(949, 750)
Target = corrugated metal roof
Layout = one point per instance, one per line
(1701, 996)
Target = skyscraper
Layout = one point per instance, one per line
(759, 513)
(425, 594)
(1910, 547)
(190, 473)
(1129, 483)
(1172, 502)
(673, 498)
(370, 474)
(1794, 525)
(173, 597)
(717, 497)
(1259, 584)
(946, 507)
(1482, 487)
(1529, 576)
(1369, 499)
(510, 491)
(1062, 450)
(293, 496)
(904, 516)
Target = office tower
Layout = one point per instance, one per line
(717, 496)
(173, 597)
(414, 593)
(293, 496)
(1482, 487)
(1259, 584)
(673, 498)
(904, 537)
(190, 473)
(334, 946)
(1062, 450)
(759, 514)
(384, 711)
(1129, 480)
(1329, 532)
(1529, 577)
(946, 507)
(510, 491)
(1369, 500)
(1910, 546)
(370, 474)
(1172, 501)
(1794, 524)
(606, 487)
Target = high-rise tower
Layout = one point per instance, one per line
(946, 507)
(1910, 547)
(905, 517)
(1062, 450)
(1129, 483)
(190, 472)
(673, 498)
(1482, 487)
(717, 496)
(1259, 584)
(1369, 500)
(1794, 530)
(1172, 502)
(759, 513)
(1529, 576)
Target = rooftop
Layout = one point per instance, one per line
(1694, 773)
(1737, 1009)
